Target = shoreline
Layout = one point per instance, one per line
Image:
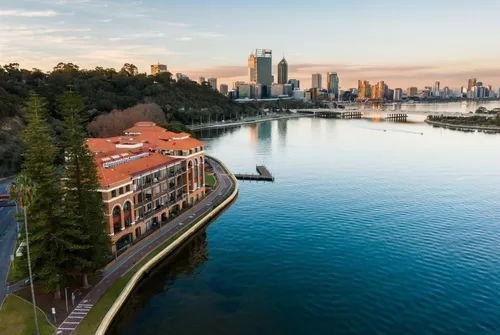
(245, 122)
(172, 247)
(450, 125)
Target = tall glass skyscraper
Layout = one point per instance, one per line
(332, 81)
(283, 72)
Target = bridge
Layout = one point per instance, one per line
(369, 113)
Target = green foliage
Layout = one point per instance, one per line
(82, 205)
(16, 318)
(37, 191)
(104, 90)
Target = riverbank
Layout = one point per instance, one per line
(106, 297)
(458, 126)
(244, 122)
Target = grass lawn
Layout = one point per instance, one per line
(209, 180)
(16, 318)
(17, 270)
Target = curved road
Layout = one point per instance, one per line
(7, 240)
(141, 250)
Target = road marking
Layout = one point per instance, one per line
(66, 329)
(75, 317)
(79, 313)
(71, 323)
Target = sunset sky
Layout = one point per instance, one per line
(402, 42)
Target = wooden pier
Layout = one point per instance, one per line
(263, 175)
(397, 117)
(352, 115)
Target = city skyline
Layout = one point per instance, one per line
(90, 33)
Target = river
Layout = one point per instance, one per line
(370, 228)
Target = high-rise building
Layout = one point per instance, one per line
(158, 68)
(237, 83)
(412, 91)
(252, 68)
(283, 72)
(378, 90)
(436, 89)
(295, 83)
(264, 66)
(212, 82)
(181, 76)
(316, 80)
(223, 89)
(446, 93)
(398, 94)
(471, 84)
(332, 83)
(201, 80)
(277, 90)
(364, 90)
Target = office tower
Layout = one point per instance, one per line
(398, 94)
(378, 90)
(223, 89)
(201, 80)
(181, 76)
(158, 68)
(212, 82)
(471, 84)
(264, 72)
(364, 89)
(412, 91)
(252, 68)
(332, 83)
(283, 72)
(316, 80)
(237, 83)
(295, 84)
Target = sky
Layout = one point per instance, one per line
(403, 42)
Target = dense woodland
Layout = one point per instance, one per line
(106, 90)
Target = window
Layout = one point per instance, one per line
(113, 194)
(127, 188)
(157, 189)
(157, 175)
(157, 203)
(139, 197)
(120, 190)
(116, 211)
(164, 187)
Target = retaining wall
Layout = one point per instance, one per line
(113, 311)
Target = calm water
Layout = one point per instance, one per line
(363, 232)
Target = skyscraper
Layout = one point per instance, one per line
(264, 66)
(201, 80)
(223, 89)
(472, 83)
(332, 83)
(316, 80)
(398, 94)
(363, 89)
(283, 71)
(158, 68)
(212, 82)
(252, 68)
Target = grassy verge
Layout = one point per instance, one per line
(16, 318)
(209, 180)
(18, 269)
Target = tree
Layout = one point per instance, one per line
(82, 205)
(50, 246)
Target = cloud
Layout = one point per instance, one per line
(106, 20)
(177, 24)
(208, 34)
(152, 34)
(184, 39)
(26, 13)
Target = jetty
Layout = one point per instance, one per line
(263, 175)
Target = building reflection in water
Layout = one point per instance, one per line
(282, 129)
(183, 263)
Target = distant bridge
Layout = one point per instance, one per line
(368, 113)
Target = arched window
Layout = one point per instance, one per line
(126, 206)
(190, 164)
(116, 211)
(196, 162)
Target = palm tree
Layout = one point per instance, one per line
(22, 191)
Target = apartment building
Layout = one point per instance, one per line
(146, 177)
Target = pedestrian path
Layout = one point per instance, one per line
(75, 317)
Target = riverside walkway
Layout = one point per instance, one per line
(123, 264)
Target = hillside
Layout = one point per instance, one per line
(105, 90)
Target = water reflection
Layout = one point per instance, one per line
(282, 129)
(182, 264)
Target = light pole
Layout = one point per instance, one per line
(29, 270)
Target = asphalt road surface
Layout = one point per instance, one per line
(141, 250)
(7, 240)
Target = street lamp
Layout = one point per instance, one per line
(23, 189)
